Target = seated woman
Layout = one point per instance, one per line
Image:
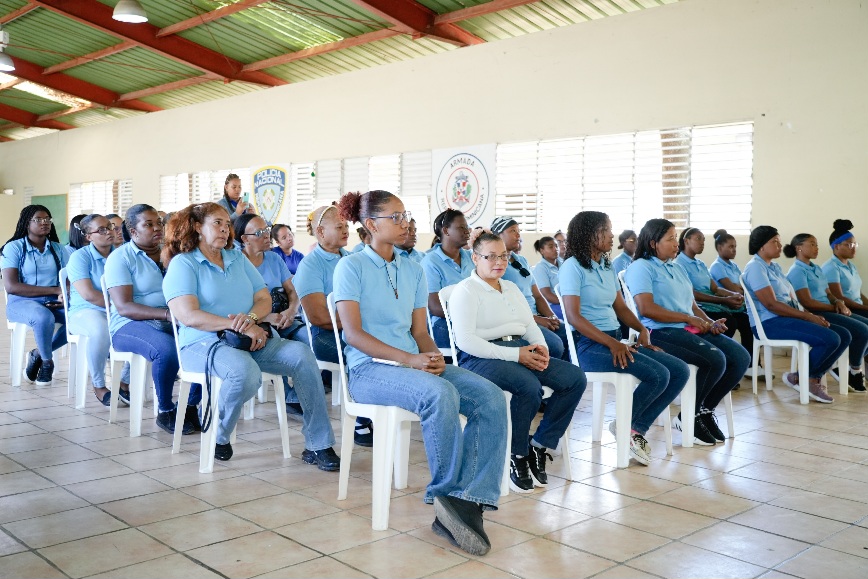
(545, 273)
(364, 239)
(781, 320)
(200, 267)
(314, 282)
(813, 293)
(594, 305)
(499, 340)
(627, 242)
(408, 248)
(664, 299)
(714, 300)
(31, 264)
(232, 200)
(77, 240)
(86, 311)
(381, 300)
(445, 264)
(140, 321)
(562, 246)
(518, 273)
(845, 283)
(117, 221)
(282, 235)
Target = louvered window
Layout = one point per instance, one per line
(328, 182)
(384, 173)
(356, 174)
(123, 196)
(301, 192)
(174, 192)
(517, 188)
(416, 187)
(91, 197)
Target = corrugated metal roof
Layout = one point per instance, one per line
(131, 70)
(29, 102)
(207, 91)
(18, 133)
(98, 116)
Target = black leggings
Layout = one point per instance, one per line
(736, 321)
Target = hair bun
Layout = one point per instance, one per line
(789, 251)
(349, 206)
(720, 232)
(842, 225)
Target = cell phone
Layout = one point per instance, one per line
(54, 304)
(389, 362)
(246, 197)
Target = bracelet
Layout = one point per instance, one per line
(252, 315)
(167, 315)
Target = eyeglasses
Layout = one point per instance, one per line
(520, 268)
(397, 218)
(42, 220)
(260, 232)
(493, 257)
(851, 245)
(104, 230)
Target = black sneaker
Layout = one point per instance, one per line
(364, 433)
(855, 381)
(709, 420)
(124, 395)
(537, 460)
(442, 531)
(34, 363)
(463, 520)
(325, 459)
(45, 374)
(191, 420)
(223, 451)
(701, 436)
(166, 420)
(520, 479)
(293, 410)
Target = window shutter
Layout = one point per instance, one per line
(301, 192)
(608, 177)
(517, 183)
(416, 187)
(327, 182)
(355, 175)
(200, 187)
(28, 195)
(384, 173)
(175, 192)
(124, 189)
(559, 181)
(675, 144)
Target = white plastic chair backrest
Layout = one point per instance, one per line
(628, 295)
(444, 295)
(177, 343)
(330, 302)
(571, 342)
(761, 333)
(63, 279)
(309, 326)
(108, 305)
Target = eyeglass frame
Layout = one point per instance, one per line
(110, 229)
(259, 232)
(42, 220)
(491, 256)
(404, 216)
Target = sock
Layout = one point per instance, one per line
(855, 371)
(535, 443)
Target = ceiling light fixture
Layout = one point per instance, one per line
(6, 64)
(130, 11)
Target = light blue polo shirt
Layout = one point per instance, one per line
(846, 275)
(85, 263)
(525, 284)
(597, 288)
(668, 285)
(810, 276)
(129, 265)
(220, 291)
(315, 273)
(722, 270)
(273, 270)
(441, 271)
(358, 247)
(34, 267)
(621, 263)
(758, 275)
(697, 272)
(413, 254)
(545, 274)
(361, 278)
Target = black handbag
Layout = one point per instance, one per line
(279, 300)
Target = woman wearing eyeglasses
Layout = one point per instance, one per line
(518, 272)
(596, 310)
(664, 298)
(845, 283)
(86, 311)
(118, 223)
(498, 339)
(31, 264)
(381, 299)
(812, 291)
(445, 264)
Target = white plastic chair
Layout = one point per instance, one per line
(140, 376)
(209, 439)
(843, 361)
(687, 398)
(323, 365)
(16, 349)
(78, 370)
(449, 352)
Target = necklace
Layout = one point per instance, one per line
(391, 285)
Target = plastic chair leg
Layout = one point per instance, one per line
(727, 405)
(72, 382)
(78, 359)
(17, 354)
(402, 454)
(844, 373)
(209, 439)
(280, 396)
(599, 411)
(183, 394)
(688, 409)
(623, 419)
(504, 482)
(263, 393)
(116, 367)
(768, 360)
(384, 452)
(138, 368)
(667, 429)
(247, 411)
(347, 443)
(804, 378)
(755, 369)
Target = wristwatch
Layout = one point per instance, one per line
(253, 316)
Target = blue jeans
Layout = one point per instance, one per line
(466, 465)
(42, 320)
(241, 373)
(159, 348)
(440, 331)
(556, 342)
(92, 323)
(567, 382)
(721, 362)
(324, 346)
(299, 335)
(857, 327)
(661, 377)
(826, 343)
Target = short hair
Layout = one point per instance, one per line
(625, 235)
(653, 230)
(181, 234)
(84, 224)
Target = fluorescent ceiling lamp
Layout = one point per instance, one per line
(6, 64)
(130, 11)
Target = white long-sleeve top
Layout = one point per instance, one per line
(481, 313)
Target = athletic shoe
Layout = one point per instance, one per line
(791, 379)
(640, 449)
(166, 421)
(45, 374)
(223, 451)
(613, 430)
(463, 520)
(520, 479)
(442, 531)
(364, 432)
(325, 459)
(701, 436)
(34, 363)
(124, 395)
(191, 420)
(537, 461)
(816, 391)
(856, 382)
(710, 421)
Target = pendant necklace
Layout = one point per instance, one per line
(391, 285)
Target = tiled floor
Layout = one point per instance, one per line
(79, 498)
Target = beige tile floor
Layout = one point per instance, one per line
(79, 498)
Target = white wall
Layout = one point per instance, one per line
(797, 68)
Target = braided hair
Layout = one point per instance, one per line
(24, 223)
(582, 233)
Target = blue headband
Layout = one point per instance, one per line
(843, 237)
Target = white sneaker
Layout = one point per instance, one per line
(640, 449)
(613, 430)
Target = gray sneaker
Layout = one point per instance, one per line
(817, 391)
